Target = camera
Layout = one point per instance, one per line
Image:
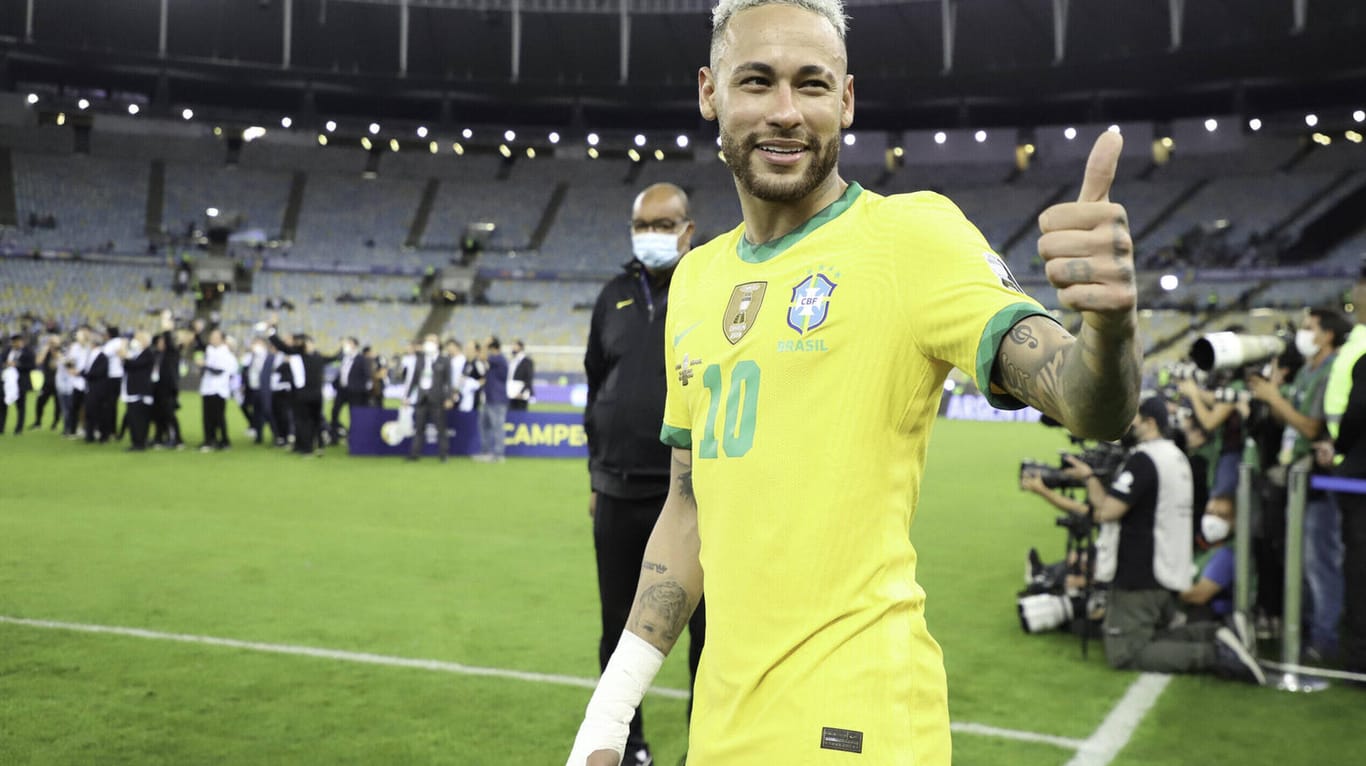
(1231, 350)
(1104, 458)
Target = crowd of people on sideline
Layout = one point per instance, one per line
(281, 383)
(1172, 504)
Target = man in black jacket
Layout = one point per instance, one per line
(20, 357)
(166, 385)
(96, 375)
(430, 394)
(139, 362)
(521, 374)
(307, 366)
(628, 465)
(353, 384)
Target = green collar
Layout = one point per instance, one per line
(750, 253)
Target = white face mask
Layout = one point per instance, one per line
(429, 349)
(656, 250)
(1304, 342)
(1214, 528)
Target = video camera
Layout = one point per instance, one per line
(1104, 458)
(1232, 351)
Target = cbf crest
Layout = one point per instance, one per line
(743, 309)
(810, 305)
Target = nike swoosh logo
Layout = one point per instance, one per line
(625, 303)
(679, 337)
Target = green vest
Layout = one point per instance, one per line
(1340, 380)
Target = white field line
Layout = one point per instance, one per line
(1114, 732)
(440, 666)
(332, 654)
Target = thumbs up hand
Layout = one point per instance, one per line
(1086, 248)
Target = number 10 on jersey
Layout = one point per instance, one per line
(742, 402)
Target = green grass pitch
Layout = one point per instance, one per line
(485, 565)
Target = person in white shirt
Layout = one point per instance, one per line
(76, 360)
(215, 386)
(521, 371)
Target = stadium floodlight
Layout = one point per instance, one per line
(1167, 142)
(365, 143)
(331, 125)
(187, 114)
(849, 139)
(1028, 148)
(592, 139)
(458, 148)
(1113, 129)
(721, 156)
(1359, 115)
(133, 109)
(421, 131)
(1254, 124)
(83, 104)
(681, 141)
(554, 137)
(218, 131)
(1069, 133)
(1211, 125)
(393, 144)
(634, 155)
(211, 212)
(286, 122)
(1311, 120)
(898, 152)
(1169, 282)
(61, 120)
(531, 153)
(253, 133)
(509, 135)
(940, 137)
(322, 139)
(592, 153)
(433, 147)
(505, 151)
(659, 154)
(640, 139)
(980, 136)
(32, 99)
(374, 128)
(718, 140)
(1353, 136)
(1322, 139)
(467, 134)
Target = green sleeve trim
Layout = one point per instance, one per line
(678, 438)
(996, 329)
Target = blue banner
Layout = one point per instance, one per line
(376, 431)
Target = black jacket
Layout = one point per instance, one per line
(1351, 441)
(168, 370)
(358, 381)
(626, 388)
(24, 364)
(311, 387)
(137, 372)
(441, 377)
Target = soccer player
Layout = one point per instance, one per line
(806, 351)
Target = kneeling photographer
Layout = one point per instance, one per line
(1145, 556)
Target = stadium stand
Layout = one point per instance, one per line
(95, 201)
(102, 294)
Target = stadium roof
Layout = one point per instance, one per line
(562, 62)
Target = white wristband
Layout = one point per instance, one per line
(607, 721)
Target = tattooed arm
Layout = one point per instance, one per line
(1088, 383)
(671, 576)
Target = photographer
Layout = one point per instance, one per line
(1322, 332)
(1146, 518)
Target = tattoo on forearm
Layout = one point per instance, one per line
(1058, 374)
(662, 612)
(650, 566)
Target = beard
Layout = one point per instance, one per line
(824, 157)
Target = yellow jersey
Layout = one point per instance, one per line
(805, 375)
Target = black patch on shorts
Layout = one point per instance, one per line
(845, 740)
